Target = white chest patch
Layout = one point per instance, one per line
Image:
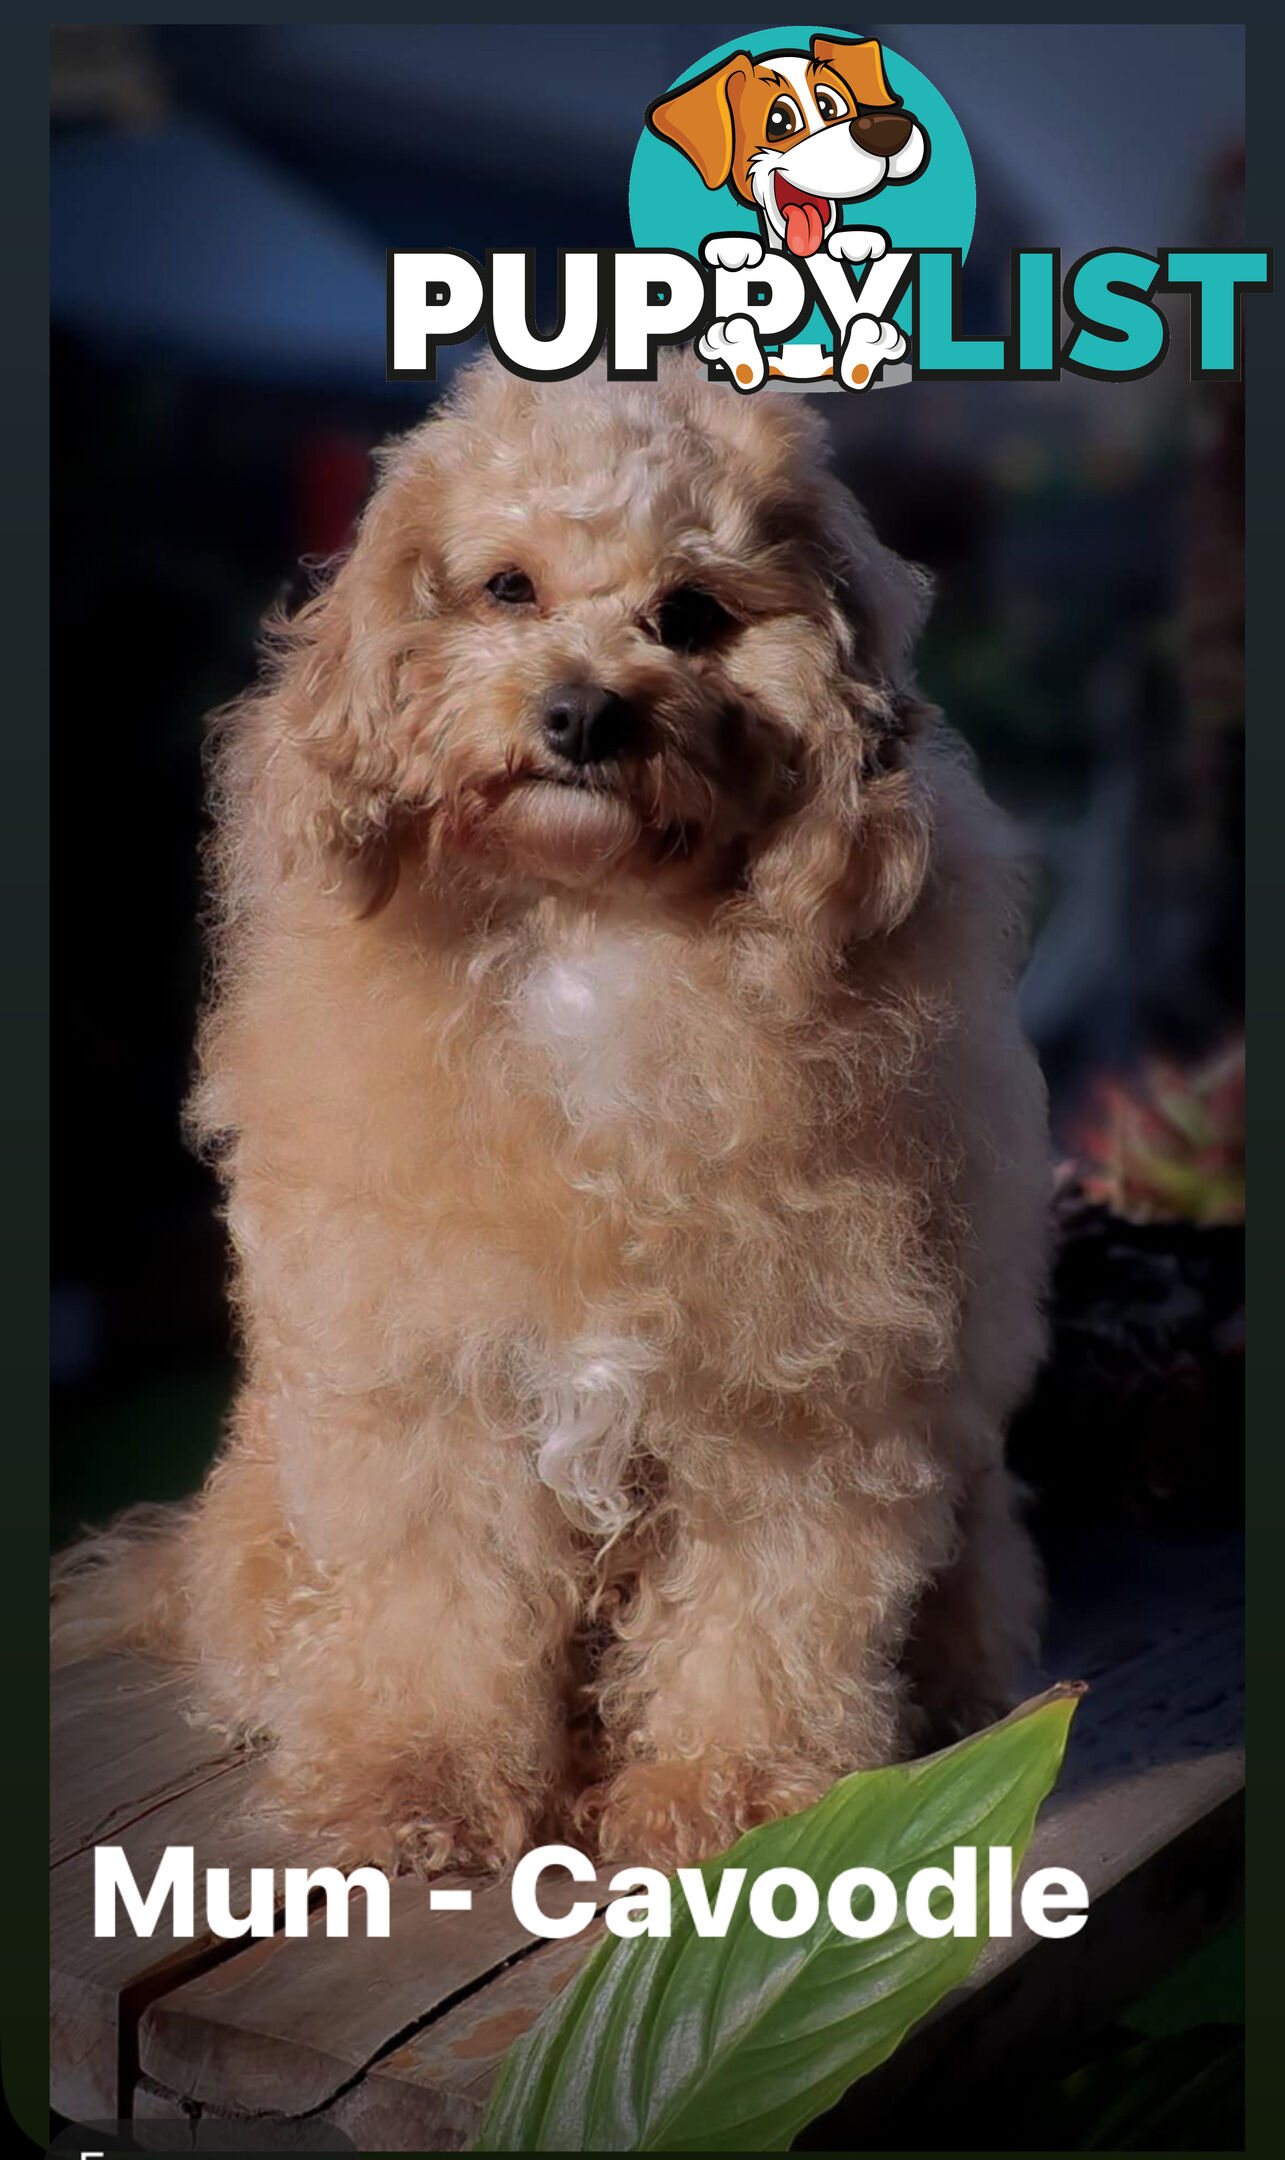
(589, 1402)
(577, 1009)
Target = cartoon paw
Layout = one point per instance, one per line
(868, 343)
(733, 251)
(856, 243)
(734, 344)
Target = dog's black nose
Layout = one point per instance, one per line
(883, 134)
(585, 723)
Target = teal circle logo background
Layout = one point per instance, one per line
(671, 207)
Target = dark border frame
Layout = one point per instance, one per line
(25, 866)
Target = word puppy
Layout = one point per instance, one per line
(636, 1175)
(797, 135)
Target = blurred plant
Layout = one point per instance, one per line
(1169, 2076)
(1139, 1409)
(1171, 1149)
(691, 2043)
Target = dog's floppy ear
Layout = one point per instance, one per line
(858, 63)
(317, 749)
(850, 860)
(700, 119)
(886, 599)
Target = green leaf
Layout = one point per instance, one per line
(692, 2044)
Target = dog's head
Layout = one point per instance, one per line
(598, 635)
(796, 134)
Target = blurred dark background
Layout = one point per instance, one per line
(221, 202)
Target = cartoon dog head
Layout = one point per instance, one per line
(795, 134)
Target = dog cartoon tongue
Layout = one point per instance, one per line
(805, 217)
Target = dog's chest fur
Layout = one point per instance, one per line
(578, 1013)
(590, 1017)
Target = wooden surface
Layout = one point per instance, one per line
(161, 1786)
(394, 2042)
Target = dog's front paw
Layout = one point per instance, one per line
(734, 344)
(868, 343)
(857, 244)
(678, 1813)
(424, 1818)
(733, 251)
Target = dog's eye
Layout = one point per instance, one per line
(829, 104)
(784, 119)
(514, 587)
(689, 619)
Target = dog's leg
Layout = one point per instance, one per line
(758, 1660)
(734, 345)
(867, 344)
(396, 1629)
(973, 1644)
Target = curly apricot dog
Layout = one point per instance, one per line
(636, 1176)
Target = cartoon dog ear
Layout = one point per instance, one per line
(858, 63)
(700, 119)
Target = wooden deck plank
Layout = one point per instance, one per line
(98, 1984)
(283, 2027)
(118, 1746)
(387, 2111)
(439, 2079)
(126, 1768)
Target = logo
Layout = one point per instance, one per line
(802, 203)
(822, 149)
